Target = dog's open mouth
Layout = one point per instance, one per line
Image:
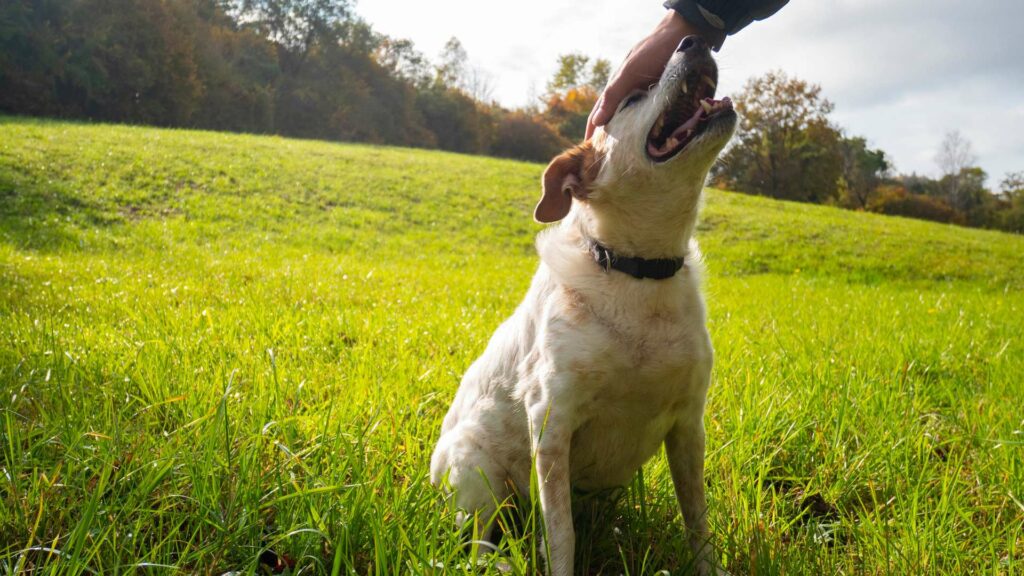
(685, 118)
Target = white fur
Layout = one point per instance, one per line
(596, 369)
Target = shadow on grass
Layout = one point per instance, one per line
(614, 535)
(44, 216)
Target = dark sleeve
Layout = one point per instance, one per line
(728, 16)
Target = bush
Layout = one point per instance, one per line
(525, 137)
(896, 201)
(1013, 220)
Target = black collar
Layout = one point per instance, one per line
(657, 268)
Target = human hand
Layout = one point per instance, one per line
(644, 64)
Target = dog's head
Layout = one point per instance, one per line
(655, 153)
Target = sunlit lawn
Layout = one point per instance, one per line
(232, 353)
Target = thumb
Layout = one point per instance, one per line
(590, 120)
(602, 112)
(609, 101)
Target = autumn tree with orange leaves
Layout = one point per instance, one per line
(786, 146)
(572, 93)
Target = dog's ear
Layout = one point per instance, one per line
(568, 176)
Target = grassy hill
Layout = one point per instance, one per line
(232, 353)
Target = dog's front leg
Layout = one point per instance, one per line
(551, 434)
(684, 447)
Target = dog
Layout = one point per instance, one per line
(608, 356)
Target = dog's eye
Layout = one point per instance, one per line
(632, 99)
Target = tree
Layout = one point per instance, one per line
(572, 93)
(238, 70)
(479, 85)
(863, 171)
(954, 155)
(453, 65)
(456, 120)
(575, 71)
(570, 74)
(1012, 185)
(920, 184)
(787, 147)
(402, 60)
(33, 37)
(600, 72)
(131, 60)
(973, 199)
(1012, 192)
(456, 73)
(295, 24)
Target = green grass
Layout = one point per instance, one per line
(213, 346)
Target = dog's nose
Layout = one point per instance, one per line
(692, 42)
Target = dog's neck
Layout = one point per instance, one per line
(637, 231)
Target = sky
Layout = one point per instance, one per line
(901, 73)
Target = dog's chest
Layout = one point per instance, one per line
(620, 429)
(626, 402)
(640, 335)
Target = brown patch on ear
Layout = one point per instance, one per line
(568, 176)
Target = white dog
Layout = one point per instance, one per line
(608, 355)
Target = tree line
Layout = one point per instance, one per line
(788, 147)
(303, 68)
(313, 69)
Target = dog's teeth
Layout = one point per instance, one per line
(710, 82)
(707, 107)
(686, 90)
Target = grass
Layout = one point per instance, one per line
(232, 353)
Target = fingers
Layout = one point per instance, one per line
(644, 64)
(619, 86)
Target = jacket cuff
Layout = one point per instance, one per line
(700, 18)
